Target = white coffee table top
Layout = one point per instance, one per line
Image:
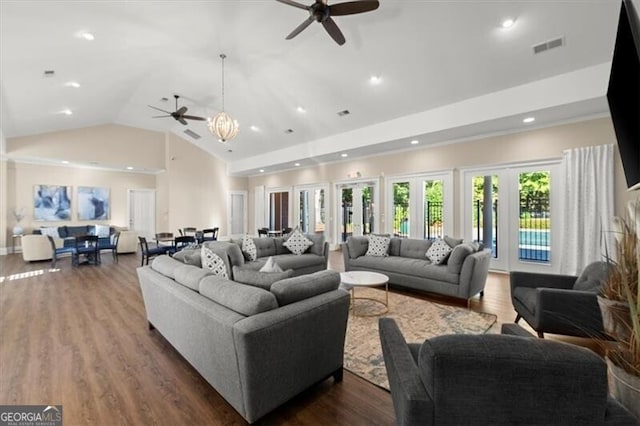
(363, 278)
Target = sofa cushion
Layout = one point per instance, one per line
(280, 248)
(294, 289)
(243, 299)
(357, 246)
(189, 257)
(458, 255)
(439, 251)
(259, 279)
(406, 266)
(190, 276)
(249, 248)
(394, 246)
(452, 241)
(165, 265)
(378, 245)
(51, 231)
(318, 244)
(271, 266)
(265, 247)
(289, 261)
(102, 231)
(214, 262)
(297, 243)
(527, 296)
(414, 248)
(592, 277)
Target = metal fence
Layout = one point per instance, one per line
(433, 220)
(533, 232)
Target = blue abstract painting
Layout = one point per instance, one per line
(93, 203)
(51, 202)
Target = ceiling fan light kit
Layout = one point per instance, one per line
(222, 125)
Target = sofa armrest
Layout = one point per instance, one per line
(473, 274)
(345, 255)
(557, 309)
(411, 402)
(325, 254)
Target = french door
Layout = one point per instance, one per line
(310, 208)
(515, 211)
(358, 208)
(237, 219)
(420, 206)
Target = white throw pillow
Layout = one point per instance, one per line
(439, 251)
(378, 246)
(51, 231)
(271, 266)
(102, 231)
(249, 247)
(214, 263)
(297, 243)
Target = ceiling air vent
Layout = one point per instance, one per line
(289, 131)
(193, 134)
(49, 73)
(343, 113)
(547, 45)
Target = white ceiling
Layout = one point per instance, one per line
(449, 71)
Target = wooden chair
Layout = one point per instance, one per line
(113, 246)
(148, 253)
(189, 231)
(182, 242)
(88, 246)
(263, 232)
(210, 234)
(55, 251)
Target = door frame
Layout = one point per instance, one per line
(296, 203)
(155, 208)
(245, 207)
(267, 204)
(338, 186)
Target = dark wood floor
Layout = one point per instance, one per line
(78, 337)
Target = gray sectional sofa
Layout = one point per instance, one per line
(313, 260)
(257, 347)
(463, 275)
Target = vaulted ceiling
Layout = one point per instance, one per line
(448, 71)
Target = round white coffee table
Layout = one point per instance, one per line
(352, 279)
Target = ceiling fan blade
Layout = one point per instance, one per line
(161, 116)
(300, 27)
(193, 117)
(182, 110)
(182, 120)
(333, 30)
(294, 4)
(158, 109)
(353, 7)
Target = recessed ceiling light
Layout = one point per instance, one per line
(415, 142)
(254, 128)
(529, 120)
(129, 168)
(507, 23)
(66, 112)
(261, 170)
(344, 155)
(375, 80)
(301, 110)
(74, 84)
(65, 162)
(87, 36)
(297, 164)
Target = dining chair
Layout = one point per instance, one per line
(55, 251)
(210, 234)
(162, 238)
(188, 231)
(112, 245)
(148, 252)
(263, 232)
(182, 242)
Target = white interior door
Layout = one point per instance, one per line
(142, 212)
(237, 214)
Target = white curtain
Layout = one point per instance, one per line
(588, 206)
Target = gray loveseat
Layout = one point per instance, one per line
(463, 275)
(258, 348)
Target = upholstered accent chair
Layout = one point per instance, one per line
(560, 304)
(495, 379)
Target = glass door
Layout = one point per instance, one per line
(311, 208)
(357, 209)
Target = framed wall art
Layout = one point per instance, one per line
(93, 203)
(51, 202)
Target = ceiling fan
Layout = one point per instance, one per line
(178, 114)
(320, 11)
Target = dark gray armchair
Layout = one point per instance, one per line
(561, 304)
(495, 379)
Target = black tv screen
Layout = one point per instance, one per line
(623, 93)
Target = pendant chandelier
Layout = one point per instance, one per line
(222, 125)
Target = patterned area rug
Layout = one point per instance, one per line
(418, 320)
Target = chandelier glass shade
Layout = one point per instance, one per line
(222, 125)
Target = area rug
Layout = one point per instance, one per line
(418, 320)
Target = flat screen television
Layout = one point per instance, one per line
(623, 94)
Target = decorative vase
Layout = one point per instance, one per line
(17, 230)
(625, 388)
(616, 319)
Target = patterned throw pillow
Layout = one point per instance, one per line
(249, 248)
(378, 246)
(213, 263)
(297, 243)
(439, 251)
(271, 266)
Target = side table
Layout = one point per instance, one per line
(13, 242)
